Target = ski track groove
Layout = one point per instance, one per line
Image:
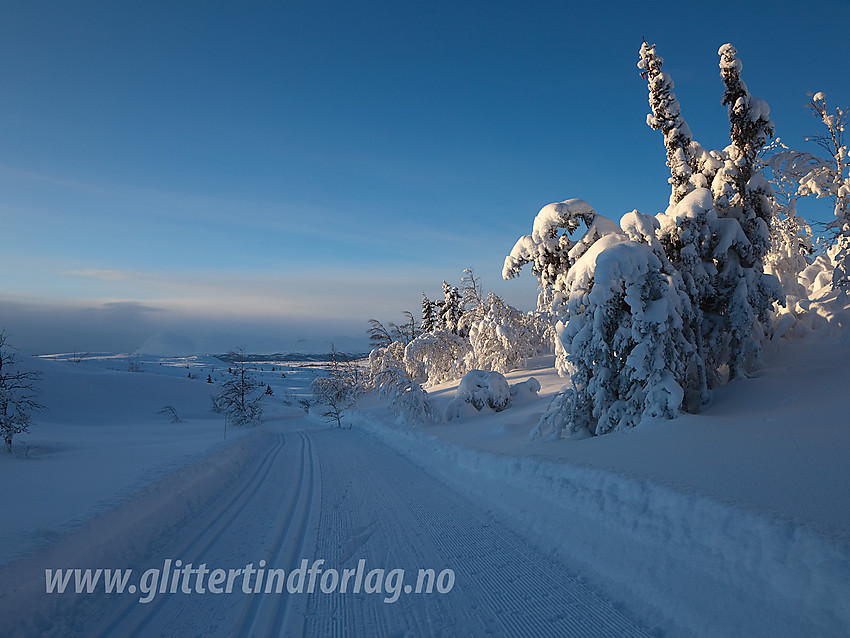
(284, 604)
(274, 608)
(248, 617)
(223, 519)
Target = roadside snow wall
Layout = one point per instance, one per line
(682, 563)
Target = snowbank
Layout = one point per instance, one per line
(733, 522)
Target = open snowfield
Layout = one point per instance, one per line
(733, 522)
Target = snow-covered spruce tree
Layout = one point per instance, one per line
(626, 320)
(240, 395)
(450, 310)
(684, 237)
(720, 252)
(750, 201)
(741, 192)
(18, 394)
(429, 313)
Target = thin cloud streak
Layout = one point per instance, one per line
(108, 275)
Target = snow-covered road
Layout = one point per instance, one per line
(343, 496)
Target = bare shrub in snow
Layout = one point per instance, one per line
(171, 412)
(18, 394)
(818, 176)
(379, 336)
(240, 395)
(339, 390)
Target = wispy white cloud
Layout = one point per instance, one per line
(108, 275)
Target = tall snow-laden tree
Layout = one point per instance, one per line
(666, 117)
(720, 252)
(450, 310)
(750, 130)
(741, 192)
(428, 315)
(18, 394)
(627, 338)
(656, 310)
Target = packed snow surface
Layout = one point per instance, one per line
(731, 522)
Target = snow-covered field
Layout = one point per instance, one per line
(729, 523)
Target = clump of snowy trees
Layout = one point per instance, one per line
(465, 330)
(654, 311)
(816, 282)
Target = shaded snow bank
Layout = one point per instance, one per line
(680, 561)
(122, 535)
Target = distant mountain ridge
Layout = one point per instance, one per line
(294, 356)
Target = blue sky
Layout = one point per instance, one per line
(246, 173)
